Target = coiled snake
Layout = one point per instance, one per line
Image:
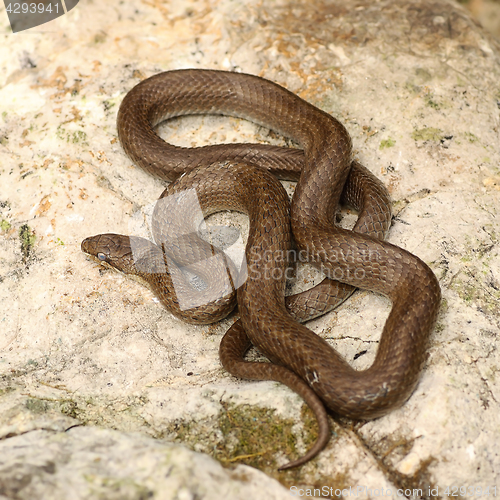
(238, 176)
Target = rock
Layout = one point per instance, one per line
(415, 83)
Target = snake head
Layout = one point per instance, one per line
(111, 249)
(128, 254)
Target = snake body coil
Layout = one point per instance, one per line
(360, 260)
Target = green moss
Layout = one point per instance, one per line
(5, 225)
(69, 408)
(427, 134)
(60, 131)
(77, 137)
(37, 406)
(387, 143)
(111, 102)
(7, 390)
(472, 283)
(439, 327)
(65, 406)
(431, 103)
(28, 238)
(471, 137)
(108, 104)
(251, 435)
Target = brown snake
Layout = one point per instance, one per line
(297, 354)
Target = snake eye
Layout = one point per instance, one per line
(101, 256)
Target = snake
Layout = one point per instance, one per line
(244, 177)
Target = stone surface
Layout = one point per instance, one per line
(415, 83)
(88, 462)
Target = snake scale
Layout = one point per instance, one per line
(242, 177)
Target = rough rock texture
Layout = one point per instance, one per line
(416, 84)
(101, 463)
